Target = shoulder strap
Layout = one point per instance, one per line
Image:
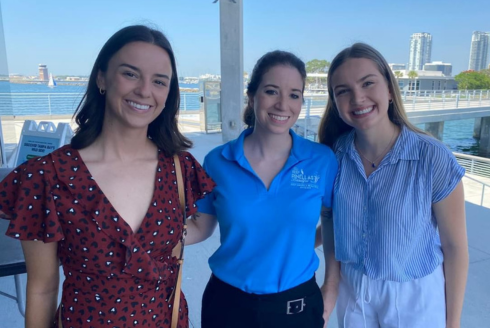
(180, 183)
(178, 286)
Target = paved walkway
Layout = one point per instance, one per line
(475, 190)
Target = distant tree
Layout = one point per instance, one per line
(412, 75)
(486, 72)
(471, 80)
(398, 74)
(317, 66)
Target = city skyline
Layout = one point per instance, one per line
(69, 42)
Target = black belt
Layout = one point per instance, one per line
(291, 301)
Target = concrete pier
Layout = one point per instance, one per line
(436, 129)
(477, 128)
(485, 137)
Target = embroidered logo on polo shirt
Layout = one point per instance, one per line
(304, 181)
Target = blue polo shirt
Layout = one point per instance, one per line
(384, 224)
(268, 236)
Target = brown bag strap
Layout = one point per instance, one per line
(180, 187)
(60, 324)
(180, 183)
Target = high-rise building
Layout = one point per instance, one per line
(420, 51)
(438, 66)
(43, 72)
(480, 41)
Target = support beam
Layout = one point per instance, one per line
(5, 129)
(3, 50)
(436, 129)
(485, 137)
(477, 128)
(231, 32)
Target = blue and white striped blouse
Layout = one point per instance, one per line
(384, 224)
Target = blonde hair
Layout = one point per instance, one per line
(332, 126)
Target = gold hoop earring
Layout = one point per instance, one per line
(102, 91)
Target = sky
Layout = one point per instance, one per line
(67, 35)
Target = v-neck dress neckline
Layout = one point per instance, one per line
(157, 178)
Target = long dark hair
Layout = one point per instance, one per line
(89, 115)
(332, 126)
(263, 65)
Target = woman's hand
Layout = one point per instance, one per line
(200, 227)
(329, 294)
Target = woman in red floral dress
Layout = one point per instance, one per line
(107, 205)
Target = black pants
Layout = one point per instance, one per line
(224, 306)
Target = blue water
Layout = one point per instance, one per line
(42, 88)
(38, 99)
(189, 85)
(458, 135)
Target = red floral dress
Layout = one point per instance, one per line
(114, 277)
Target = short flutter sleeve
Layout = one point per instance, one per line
(446, 173)
(197, 182)
(27, 201)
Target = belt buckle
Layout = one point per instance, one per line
(296, 306)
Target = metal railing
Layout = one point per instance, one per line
(315, 104)
(446, 99)
(66, 103)
(424, 100)
(474, 165)
(479, 167)
(21, 104)
(310, 116)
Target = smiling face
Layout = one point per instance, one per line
(278, 99)
(137, 83)
(361, 94)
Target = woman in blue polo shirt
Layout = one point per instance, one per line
(271, 187)
(400, 231)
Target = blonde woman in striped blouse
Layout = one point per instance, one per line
(398, 208)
